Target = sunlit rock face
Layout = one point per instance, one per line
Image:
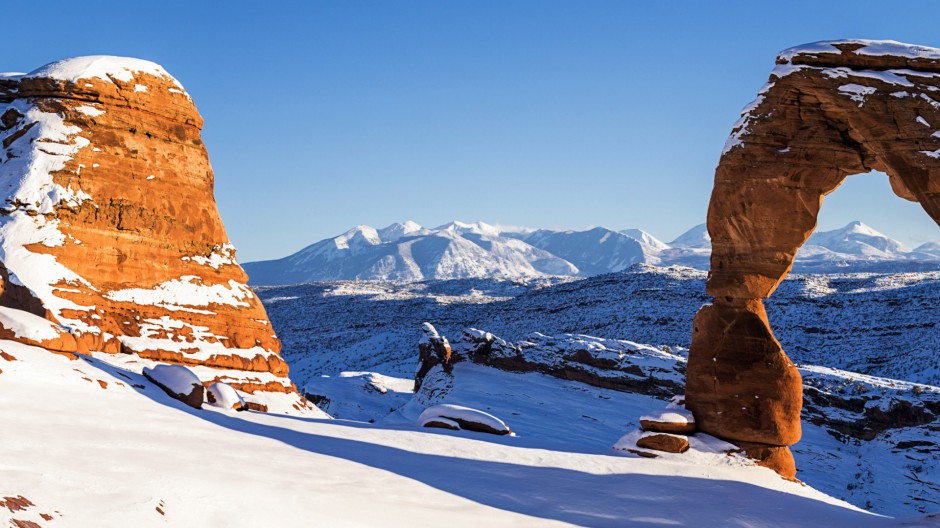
(829, 110)
(109, 227)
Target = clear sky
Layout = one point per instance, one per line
(323, 115)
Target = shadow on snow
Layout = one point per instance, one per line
(575, 497)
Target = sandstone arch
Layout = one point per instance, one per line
(829, 110)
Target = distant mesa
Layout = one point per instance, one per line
(109, 228)
(409, 252)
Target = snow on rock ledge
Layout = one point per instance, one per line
(28, 328)
(675, 421)
(109, 228)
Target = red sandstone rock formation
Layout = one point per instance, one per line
(109, 228)
(830, 110)
(666, 443)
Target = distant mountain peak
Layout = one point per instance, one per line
(364, 233)
(478, 228)
(399, 230)
(856, 239)
(697, 237)
(645, 238)
(857, 227)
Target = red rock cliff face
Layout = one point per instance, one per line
(110, 229)
(829, 110)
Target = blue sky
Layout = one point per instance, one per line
(324, 115)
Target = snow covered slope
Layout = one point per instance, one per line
(87, 444)
(645, 238)
(871, 441)
(879, 325)
(595, 251)
(855, 241)
(407, 251)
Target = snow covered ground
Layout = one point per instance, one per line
(91, 442)
(881, 324)
(88, 444)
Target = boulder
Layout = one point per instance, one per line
(109, 227)
(666, 443)
(674, 421)
(464, 418)
(179, 382)
(221, 394)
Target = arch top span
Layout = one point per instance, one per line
(829, 110)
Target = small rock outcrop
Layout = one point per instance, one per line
(829, 110)
(109, 228)
(605, 363)
(433, 350)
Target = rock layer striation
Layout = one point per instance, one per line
(829, 110)
(109, 227)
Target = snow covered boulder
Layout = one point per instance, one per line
(446, 416)
(675, 421)
(179, 382)
(223, 395)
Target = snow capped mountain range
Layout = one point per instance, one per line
(407, 251)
